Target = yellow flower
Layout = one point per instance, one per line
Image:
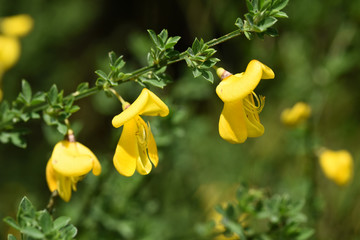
(69, 162)
(337, 165)
(296, 115)
(16, 26)
(239, 118)
(136, 149)
(9, 52)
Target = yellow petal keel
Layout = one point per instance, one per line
(127, 153)
(146, 104)
(232, 123)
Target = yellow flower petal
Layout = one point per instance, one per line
(232, 123)
(152, 149)
(337, 165)
(146, 104)
(72, 159)
(64, 187)
(253, 125)
(127, 153)
(9, 52)
(51, 177)
(237, 87)
(18, 25)
(296, 115)
(143, 165)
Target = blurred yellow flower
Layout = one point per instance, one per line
(10, 29)
(296, 115)
(239, 118)
(337, 165)
(17, 25)
(69, 162)
(9, 52)
(136, 149)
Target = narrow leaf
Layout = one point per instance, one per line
(26, 90)
(11, 222)
(153, 37)
(61, 222)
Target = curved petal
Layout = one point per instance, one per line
(64, 187)
(96, 169)
(146, 104)
(152, 149)
(232, 124)
(9, 51)
(253, 125)
(18, 25)
(236, 87)
(68, 159)
(127, 153)
(143, 164)
(51, 177)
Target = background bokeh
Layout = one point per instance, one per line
(315, 59)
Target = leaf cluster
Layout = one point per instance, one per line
(111, 79)
(261, 17)
(255, 215)
(34, 224)
(199, 59)
(27, 106)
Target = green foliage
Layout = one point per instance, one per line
(34, 224)
(199, 59)
(261, 17)
(258, 216)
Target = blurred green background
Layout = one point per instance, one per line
(315, 59)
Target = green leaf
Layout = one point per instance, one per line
(255, 4)
(38, 98)
(196, 46)
(280, 4)
(11, 237)
(163, 36)
(32, 232)
(11, 222)
(196, 72)
(61, 222)
(280, 15)
(74, 108)
(266, 23)
(69, 231)
(62, 128)
(171, 42)
(82, 87)
(207, 74)
(101, 74)
(239, 23)
(272, 32)
(45, 221)
(249, 5)
(112, 58)
(52, 95)
(26, 90)
(153, 37)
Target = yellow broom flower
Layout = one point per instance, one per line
(296, 115)
(136, 149)
(239, 118)
(17, 25)
(337, 165)
(69, 162)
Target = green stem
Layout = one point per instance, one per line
(132, 76)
